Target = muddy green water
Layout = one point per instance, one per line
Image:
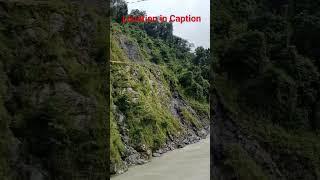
(189, 163)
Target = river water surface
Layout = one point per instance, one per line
(189, 163)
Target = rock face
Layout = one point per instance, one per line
(259, 159)
(52, 107)
(141, 154)
(156, 155)
(226, 134)
(150, 117)
(130, 48)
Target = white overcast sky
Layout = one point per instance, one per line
(196, 33)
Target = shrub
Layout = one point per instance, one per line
(245, 57)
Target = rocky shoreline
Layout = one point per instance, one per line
(141, 155)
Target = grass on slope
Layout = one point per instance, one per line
(142, 91)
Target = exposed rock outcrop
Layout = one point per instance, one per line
(151, 115)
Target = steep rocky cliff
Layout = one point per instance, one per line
(151, 111)
(53, 102)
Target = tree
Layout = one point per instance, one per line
(137, 12)
(245, 56)
(202, 56)
(163, 30)
(119, 8)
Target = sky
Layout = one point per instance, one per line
(196, 33)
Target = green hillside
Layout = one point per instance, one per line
(159, 92)
(266, 89)
(53, 102)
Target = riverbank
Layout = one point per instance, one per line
(189, 163)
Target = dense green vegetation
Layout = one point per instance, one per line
(53, 103)
(150, 70)
(266, 77)
(54, 94)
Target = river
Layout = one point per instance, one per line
(189, 163)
